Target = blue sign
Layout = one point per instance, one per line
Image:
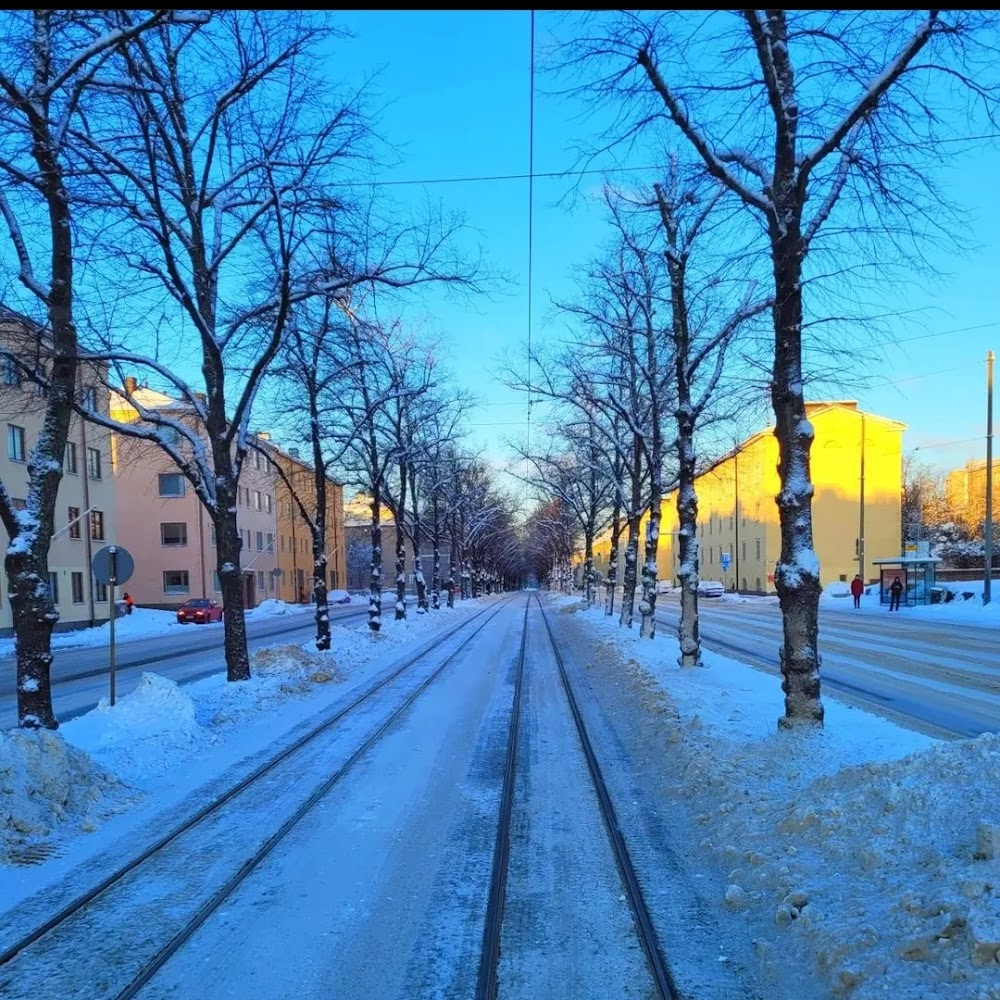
(724, 559)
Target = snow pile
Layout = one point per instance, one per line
(837, 589)
(145, 731)
(272, 606)
(50, 788)
(864, 854)
(965, 606)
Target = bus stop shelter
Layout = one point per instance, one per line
(915, 572)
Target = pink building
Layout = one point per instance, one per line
(166, 529)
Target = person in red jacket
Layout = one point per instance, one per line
(857, 589)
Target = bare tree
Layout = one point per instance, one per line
(701, 331)
(52, 59)
(820, 112)
(223, 178)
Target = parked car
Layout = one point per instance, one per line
(338, 597)
(199, 610)
(710, 588)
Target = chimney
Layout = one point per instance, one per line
(293, 452)
(130, 385)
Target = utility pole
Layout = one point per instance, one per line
(988, 524)
(861, 516)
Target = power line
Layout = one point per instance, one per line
(531, 221)
(555, 174)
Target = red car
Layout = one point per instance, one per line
(199, 610)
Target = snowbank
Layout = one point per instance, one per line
(48, 790)
(864, 853)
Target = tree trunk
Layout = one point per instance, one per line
(401, 546)
(647, 606)
(629, 581)
(34, 615)
(418, 576)
(375, 580)
(612, 581)
(320, 595)
(436, 576)
(228, 546)
(32, 608)
(687, 541)
(588, 568)
(796, 576)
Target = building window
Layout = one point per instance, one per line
(173, 533)
(11, 375)
(171, 484)
(260, 541)
(90, 398)
(257, 500)
(744, 556)
(711, 554)
(74, 522)
(256, 459)
(97, 525)
(282, 543)
(54, 587)
(94, 463)
(77, 580)
(69, 462)
(260, 580)
(757, 546)
(175, 581)
(268, 502)
(270, 542)
(15, 443)
(216, 582)
(101, 593)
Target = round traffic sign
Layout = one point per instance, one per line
(113, 564)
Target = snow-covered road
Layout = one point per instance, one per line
(945, 678)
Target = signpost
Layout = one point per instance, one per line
(112, 565)
(724, 559)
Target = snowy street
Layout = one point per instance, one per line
(375, 837)
(942, 677)
(188, 652)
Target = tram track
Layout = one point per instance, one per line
(488, 986)
(84, 910)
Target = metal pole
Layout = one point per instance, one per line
(861, 523)
(111, 619)
(988, 524)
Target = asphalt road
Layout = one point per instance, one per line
(80, 675)
(938, 677)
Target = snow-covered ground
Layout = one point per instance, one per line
(863, 853)
(65, 796)
(965, 608)
(145, 623)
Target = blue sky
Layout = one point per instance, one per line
(453, 87)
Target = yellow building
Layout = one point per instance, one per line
(853, 454)
(295, 558)
(965, 494)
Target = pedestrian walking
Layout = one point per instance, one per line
(895, 592)
(857, 589)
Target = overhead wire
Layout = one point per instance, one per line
(531, 223)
